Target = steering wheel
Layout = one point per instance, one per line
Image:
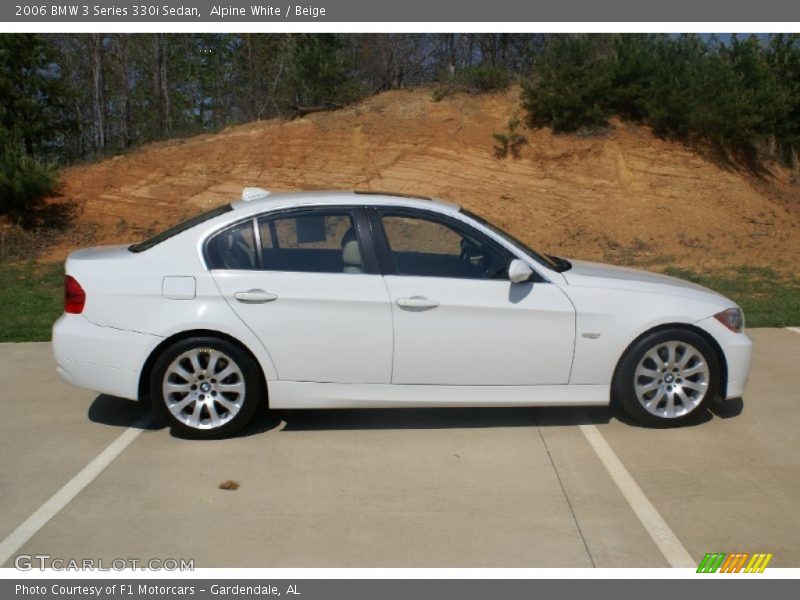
(468, 250)
(474, 255)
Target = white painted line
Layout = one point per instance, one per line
(17, 538)
(795, 329)
(653, 522)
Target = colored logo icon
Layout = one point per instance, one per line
(739, 562)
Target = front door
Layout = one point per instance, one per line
(458, 320)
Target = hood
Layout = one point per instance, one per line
(591, 274)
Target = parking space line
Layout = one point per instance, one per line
(17, 538)
(655, 525)
(795, 329)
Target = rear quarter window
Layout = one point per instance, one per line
(233, 248)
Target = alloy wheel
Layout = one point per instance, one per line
(671, 379)
(204, 388)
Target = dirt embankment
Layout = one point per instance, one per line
(626, 197)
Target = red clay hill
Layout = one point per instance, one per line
(624, 196)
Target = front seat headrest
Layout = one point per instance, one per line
(351, 257)
(348, 236)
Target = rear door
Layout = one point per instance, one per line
(458, 320)
(306, 282)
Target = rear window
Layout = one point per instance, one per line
(180, 228)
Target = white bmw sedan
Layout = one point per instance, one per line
(361, 299)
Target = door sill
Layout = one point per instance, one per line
(300, 394)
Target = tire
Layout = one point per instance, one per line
(667, 378)
(205, 387)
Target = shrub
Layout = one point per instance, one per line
(741, 95)
(484, 78)
(476, 79)
(24, 183)
(571, 89)
(510, 140)
(441, 92)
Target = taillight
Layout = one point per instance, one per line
(74, 296)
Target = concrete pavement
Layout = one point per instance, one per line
(423, 488)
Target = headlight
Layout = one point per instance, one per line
(732, 318)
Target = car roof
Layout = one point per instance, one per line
(270, 201)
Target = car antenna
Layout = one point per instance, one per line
(253, 193)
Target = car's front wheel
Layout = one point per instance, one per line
(205, 387)
(667, 378)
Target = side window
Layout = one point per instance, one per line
(310, 241)
(233, 248)
(426, 246)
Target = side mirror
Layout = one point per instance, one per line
(518, 271)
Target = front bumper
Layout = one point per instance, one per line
(738, 351)
(101, 359)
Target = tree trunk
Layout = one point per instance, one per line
(159, 105)
(122, 58)
(165, 85)
(252, 80)
(75, 83)
(451, 54)
(97, 93)
(161, 91)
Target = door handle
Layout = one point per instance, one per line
(417, 302)
(255, 296)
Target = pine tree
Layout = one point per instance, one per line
(571, 87)
(32, 92)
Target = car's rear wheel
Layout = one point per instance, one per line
(205, 387)
(667, 378)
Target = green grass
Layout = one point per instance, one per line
(767, 298)
(31, 299)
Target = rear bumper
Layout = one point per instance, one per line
(738, 351)
(101, 359)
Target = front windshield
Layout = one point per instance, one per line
(543, 260)
(179, 228)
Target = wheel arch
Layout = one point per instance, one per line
(723, 364)
(147, 369)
